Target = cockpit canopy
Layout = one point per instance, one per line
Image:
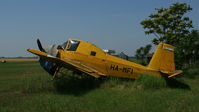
(70, 45)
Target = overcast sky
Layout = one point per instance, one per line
(109, 24)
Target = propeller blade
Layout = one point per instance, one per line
(40, 46)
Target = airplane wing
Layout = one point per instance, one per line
(68, 63)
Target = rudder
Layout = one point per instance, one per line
(163, 59)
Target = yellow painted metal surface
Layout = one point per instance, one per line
(91, 60)
(163, 58)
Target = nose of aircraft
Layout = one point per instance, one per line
(47, 65)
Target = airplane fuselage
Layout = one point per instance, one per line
(90, 55)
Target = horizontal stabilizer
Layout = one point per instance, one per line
(175, 73)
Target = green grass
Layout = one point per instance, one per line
(151, 82)
(26, 87)
(191, 73)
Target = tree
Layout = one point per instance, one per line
(187, 50)
(169, 25)
(142, 53)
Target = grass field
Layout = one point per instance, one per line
(26, 87)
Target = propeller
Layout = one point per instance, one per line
(40, 46)
(48, 66)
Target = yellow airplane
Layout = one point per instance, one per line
(84, 57)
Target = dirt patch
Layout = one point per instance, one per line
(18, 59)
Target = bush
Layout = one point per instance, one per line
(150, 82)
(190, 72)
(117, 83)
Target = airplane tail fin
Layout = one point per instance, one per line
(163, 60)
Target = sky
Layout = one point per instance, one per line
(109, 24)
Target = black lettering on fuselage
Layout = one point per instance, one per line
(116, 68)
(112, 67)
(128, 70)
(122, 69)
(131, 71)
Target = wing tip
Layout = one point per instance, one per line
(37, 52)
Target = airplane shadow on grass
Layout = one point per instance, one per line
(81, 84)
(176, 83)
(76, 85)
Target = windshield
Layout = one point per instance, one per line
(72, 45)
(64, 45)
